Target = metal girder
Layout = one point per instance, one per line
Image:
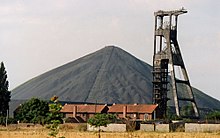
(167, 56)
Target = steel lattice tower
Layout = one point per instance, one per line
(167, 59)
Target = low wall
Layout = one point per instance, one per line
(180, 127)
(109, 128)
(147, 127)
(191, 127)
(156, 127)
(162, 128)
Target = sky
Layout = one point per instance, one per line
(39, 35)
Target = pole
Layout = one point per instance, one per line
(6, 119)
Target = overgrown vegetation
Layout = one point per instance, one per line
(130, 125)
(81, 127)
(33, 111)
(41, 112)
(187, 110)
(99, 120)
(9, 120)
(170, 115)
(55, 117)
(215, 115)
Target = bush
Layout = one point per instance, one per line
(9, 121)
(33, 111)
(214, 115)
(101, 120)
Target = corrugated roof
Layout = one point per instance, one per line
(83, 108)
(132, 108)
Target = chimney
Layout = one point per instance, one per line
(124, 111)
(74, 110)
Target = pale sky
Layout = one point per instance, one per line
(39, 35)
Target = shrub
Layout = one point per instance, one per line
(9, 121)
(214, 115)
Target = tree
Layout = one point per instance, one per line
(33, 111)
(54, 116)
(5, 95)
(187, 110)
(54, 108)
(171, 115)
(99, 120)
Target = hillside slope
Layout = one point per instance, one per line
(109, 75)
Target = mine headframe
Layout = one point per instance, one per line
(167, 63)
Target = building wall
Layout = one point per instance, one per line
(68, 115)
(83, 116)
(139, 116)
(119, 115)
(145, 116)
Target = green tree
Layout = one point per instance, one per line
(33, 111)
(99, 120)
(54, 116)
(5, 95)
(54, 108)
(187, 110)
(171, 115)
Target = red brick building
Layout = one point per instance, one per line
(133, 111)
(82, 112)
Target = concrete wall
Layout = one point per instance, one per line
(147, 127)
(110, 127)
(191, 127)
(162, 128)
(174, 127)
(188, 127)
(157, 127)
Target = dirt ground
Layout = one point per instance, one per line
(71, 134)
(77, 131)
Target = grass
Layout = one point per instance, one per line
(34, 133)
(77, 131)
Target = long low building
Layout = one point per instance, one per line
(82, 112)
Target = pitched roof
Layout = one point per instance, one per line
(83, 108)
(116, 108)
(132, 108)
